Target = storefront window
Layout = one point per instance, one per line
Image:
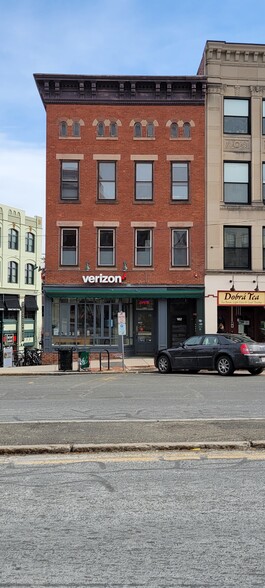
(89, 322)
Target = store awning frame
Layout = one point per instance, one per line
(11, 302)
(30, 303)
(127, 292)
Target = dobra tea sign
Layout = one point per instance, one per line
(241, 298)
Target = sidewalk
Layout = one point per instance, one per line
(131, 364)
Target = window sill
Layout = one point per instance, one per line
(143, 202)
(144, 138)
(180, 268)
(69, 201)
(70, 138)
(107, 201)
(180, 138)
(143, 268)
(107, 138)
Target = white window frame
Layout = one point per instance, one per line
(106, 248)
(12, 276)
(139, 248)
(232, 177)
(236, 110)
(29, 273)
(64, 248)
(174, 249)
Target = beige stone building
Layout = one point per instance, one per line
(20, 279)
(235, 193)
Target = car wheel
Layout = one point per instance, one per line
(224, 366)
(255, 371)
(163, 364)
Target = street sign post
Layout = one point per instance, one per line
(122, 332)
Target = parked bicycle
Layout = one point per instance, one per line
(27, 357)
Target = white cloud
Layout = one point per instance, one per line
(22, 176)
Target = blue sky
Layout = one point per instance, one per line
(144, 37)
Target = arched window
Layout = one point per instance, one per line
(12, 274)
(76, 129)
(186, 130)
(137, 129)
(63, 129)
(150, 130)
(29, 273)
(101, 129)
(30, 242)
(12, 239)
(174, 131)
(113, 129)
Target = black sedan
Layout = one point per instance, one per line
(223, 353)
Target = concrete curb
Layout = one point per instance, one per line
(123, 447)
(73, 373)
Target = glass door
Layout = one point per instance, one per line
(144, 344)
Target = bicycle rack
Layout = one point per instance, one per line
(100, 354)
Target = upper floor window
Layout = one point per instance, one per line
(237, 248)
(186, 130)
(236, 183)
(29, 273)
(30, 242)
(69, 246)
(106, 247)
(63, 128)
(101, 129)
(12, 239)
(236, 116)
(143, 181)
(150, 130)
(143, 247)
(12, 274)
(180, 248)
(76, 129)
(263, 117)
(180, 181)
(137, 129)
(263, 183)
(113, 130)
(69, 180)
(263, 246)
(174, 130)
(106, 180)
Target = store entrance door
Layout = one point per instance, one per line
(144, 340)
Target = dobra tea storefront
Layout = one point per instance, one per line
(243, 312)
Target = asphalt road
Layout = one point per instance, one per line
(131, 408)
(141, 521)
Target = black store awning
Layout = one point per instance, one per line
(2, 304)
(31, 303)
(11, 302)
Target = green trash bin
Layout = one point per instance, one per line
(84, 359)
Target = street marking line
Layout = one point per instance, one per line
(153, 458)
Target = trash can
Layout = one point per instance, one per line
(84, 359)
(65, 359)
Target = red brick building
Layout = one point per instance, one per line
(125, 215)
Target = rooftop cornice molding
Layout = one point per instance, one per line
(72, 89)
(235, 53)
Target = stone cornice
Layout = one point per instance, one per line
(235, 53)
(72, 89)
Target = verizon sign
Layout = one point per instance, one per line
(102, 279)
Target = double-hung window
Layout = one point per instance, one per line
(180, 181)
(236, 116)
(263, 246)
(180, 248)
(237, 248)
(263, 183)
(106, 247)
(143, 247)
(12, 239)
(106, 180)
(12, 274)
(29, 273)
(30, 242)
(236, 183)
(69, 180)
(69, 246)
(143, 181)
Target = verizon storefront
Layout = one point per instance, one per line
(87, 315)
(242, 312)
